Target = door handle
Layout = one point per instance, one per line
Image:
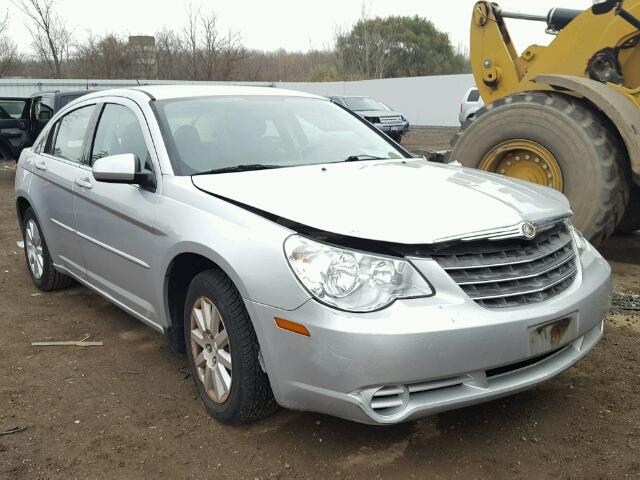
(40, 164)
(84, 183)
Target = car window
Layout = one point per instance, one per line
(40, 143)
(210, 133)
(70, 97)
(70, 132)
(42, 110)
(359, 104)
(51, 135)
(119, 132)
(12, 108)
(474, 96)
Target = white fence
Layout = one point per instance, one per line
(423, 100)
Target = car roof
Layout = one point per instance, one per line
(166, 92)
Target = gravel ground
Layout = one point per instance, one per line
(128, 409)
(434, 138)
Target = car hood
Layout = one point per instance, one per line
(378, 113)
(408, 202)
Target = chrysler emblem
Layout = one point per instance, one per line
(528, 230)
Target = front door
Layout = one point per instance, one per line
(116, 221)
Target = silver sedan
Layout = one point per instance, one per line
(301, 258)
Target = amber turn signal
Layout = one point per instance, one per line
(292, 326)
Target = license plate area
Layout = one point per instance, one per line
(552, 335)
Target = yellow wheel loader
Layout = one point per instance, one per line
(567, 115)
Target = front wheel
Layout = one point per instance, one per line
(557, 141)
(223, 351)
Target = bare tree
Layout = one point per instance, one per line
(108, 56)
(190, 33)
(170, 55)
(8, 49)
(232, 54)
(209, 46)
(50, 35)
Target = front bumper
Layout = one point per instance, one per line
(393, 130)
(424, 355)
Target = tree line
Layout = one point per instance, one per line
(371, 48)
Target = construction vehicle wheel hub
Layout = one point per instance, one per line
(525, 160)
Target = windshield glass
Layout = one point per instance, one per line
(210, 133)
(359, 104)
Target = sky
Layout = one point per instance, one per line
(274, 24)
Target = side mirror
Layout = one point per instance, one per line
(123, 168)
(600, 7)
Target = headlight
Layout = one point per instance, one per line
(351, 280)
(581, 242)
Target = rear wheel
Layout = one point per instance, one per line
(556, 141)
(39, 262)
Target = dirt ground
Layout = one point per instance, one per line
(128, 409)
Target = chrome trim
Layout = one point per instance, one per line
(62, 225)
(527, 292)
(120, 253)
(135, 260)
(522, 277)
(503, 233)
(506, 264)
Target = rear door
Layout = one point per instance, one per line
(15, 126)
(56, 166)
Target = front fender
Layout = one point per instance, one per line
(247, 247)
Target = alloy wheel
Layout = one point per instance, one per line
(211, 349)
(33, 245)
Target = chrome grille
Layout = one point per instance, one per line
(514, 272)
(397, 119)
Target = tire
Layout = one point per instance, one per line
(631, 219)
(249, 396)
(591, 156)
(39, 263)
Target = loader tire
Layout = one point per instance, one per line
(631, 219)
(588, 153)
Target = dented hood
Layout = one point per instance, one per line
(409, 202)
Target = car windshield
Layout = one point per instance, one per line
(359, 104)
(239, 133)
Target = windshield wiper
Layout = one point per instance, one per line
(239, 168)
(364, 156)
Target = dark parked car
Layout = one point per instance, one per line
(22, 119)
(380, 115)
